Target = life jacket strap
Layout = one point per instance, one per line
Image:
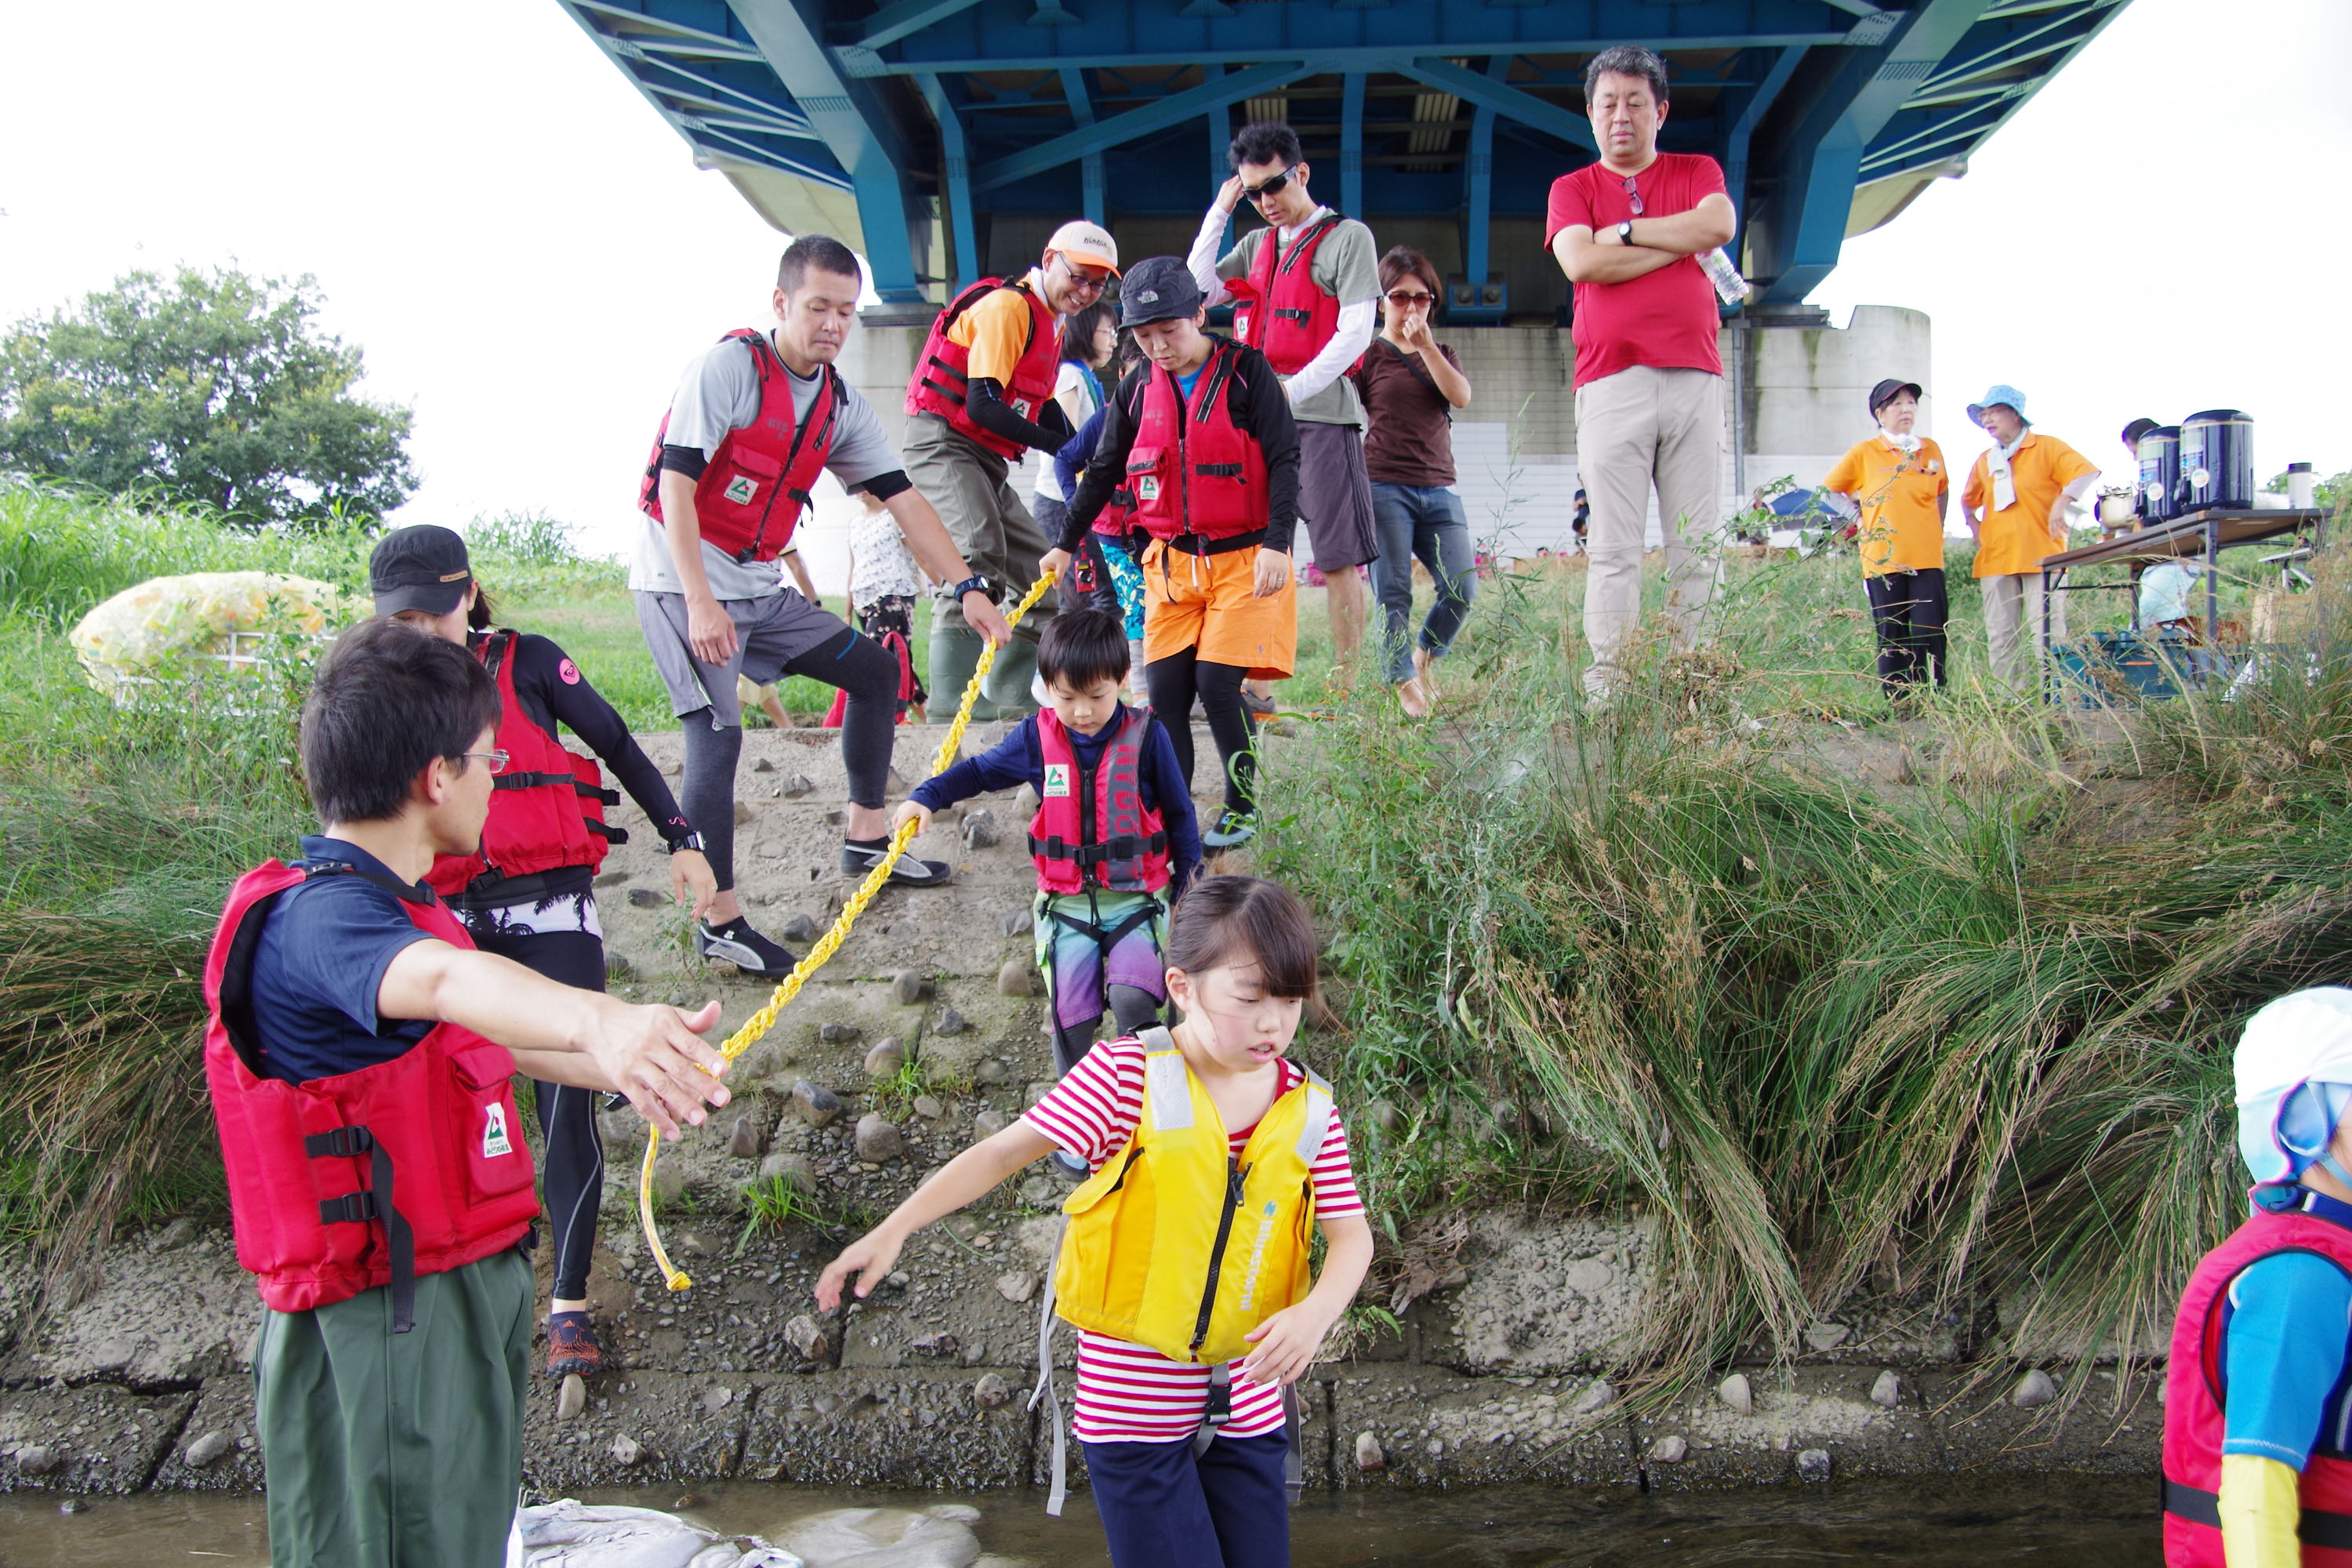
(1218, 1410)
(538, 781)
(607, 832)
(2315, 1526)
(1302, 317)
(374, 1202)
(1196, 544)
(1060, 1490)
(1218, 470)
(1119, 846)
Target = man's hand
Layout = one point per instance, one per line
(690, 879)
(1271, 571)
(911, 811)
(710, 630)
(655, 1056)
(1229, 195)
(981, 614)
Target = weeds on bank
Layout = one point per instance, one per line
(1835, 1034)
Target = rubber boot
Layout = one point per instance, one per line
(1010, 677)
(955, 654)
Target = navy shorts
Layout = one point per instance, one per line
(1163, 1507)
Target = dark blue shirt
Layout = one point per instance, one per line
(318, 964)
(1076, 452)
(1018, 759)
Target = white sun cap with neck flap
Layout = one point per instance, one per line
(2293, 1071)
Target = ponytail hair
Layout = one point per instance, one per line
(1222, 922)
(481, 615)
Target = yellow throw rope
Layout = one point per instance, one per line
(760, 1022)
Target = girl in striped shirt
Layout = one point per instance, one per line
(1184, 1261)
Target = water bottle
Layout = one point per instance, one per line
(1729, 286)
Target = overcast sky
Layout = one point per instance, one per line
(528, 256)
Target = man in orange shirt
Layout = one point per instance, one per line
(1898, 481)
(2015, 503)
(981, 398)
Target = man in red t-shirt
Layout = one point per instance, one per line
(1628, 231)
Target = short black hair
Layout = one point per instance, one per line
(815, 253)
(1078, 331)
(2137, 429)
(1264, 142)
(386, 700)
(1223, 920)
(1627, 59)
(1083, 647)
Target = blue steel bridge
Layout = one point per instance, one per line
(942, 139)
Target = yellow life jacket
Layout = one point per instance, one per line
(1176, 1244)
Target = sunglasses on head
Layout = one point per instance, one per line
(1274, 186)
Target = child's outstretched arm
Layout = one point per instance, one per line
(1288, 1342)
(965, 1179)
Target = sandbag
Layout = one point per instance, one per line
(169, 625)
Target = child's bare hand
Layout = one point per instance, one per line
(868, 1258)
(1286, 1343)
(908, 811)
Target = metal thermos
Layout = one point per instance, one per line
(2302, 486)
(2217, 461)
(2159, 473)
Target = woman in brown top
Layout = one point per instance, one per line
(1411, 385)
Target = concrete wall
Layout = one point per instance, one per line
(1800, 405)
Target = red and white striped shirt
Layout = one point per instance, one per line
(1129, 1393)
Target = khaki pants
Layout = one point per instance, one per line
(1639, 427)
(2012, 613)
(967, 485)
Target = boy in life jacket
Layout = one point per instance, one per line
(527, 891)
(982, 398)
(1114, 839)
(1306, 290)
(755, 421)
(1184, 1257)
(359, 1055)
(2257, 1469)
(1202, 436)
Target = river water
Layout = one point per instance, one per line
(2076, 1521)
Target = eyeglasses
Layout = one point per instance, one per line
(1274, 186)
(498, 761)
(1410, 296)
(1097, 281)
(1633, 195)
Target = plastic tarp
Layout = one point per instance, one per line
(569, 1534)
(157, 626)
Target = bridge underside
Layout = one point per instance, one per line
(943, 138)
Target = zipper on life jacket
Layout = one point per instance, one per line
(1233, 1179)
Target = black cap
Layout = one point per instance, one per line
(419, 568)
(1157, 288)
(1885, 390)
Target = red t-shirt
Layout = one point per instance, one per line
(1666, 319)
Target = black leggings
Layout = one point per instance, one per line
(574, 1183)
(1908, 609)
(1174, 683)
(869, 724)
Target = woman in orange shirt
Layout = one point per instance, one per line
(1899, 481)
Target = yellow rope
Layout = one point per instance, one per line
(760, 1022)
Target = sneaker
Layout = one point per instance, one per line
(1256, 707)
(737, 943)
(1070, 1165)
(1233, 829)
(908, 872)
(572, 1346)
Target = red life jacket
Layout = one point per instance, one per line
(2193, 1394)
(547, 810)
(412, 1166)
(1279, 309)
(1092, 827)
(1192, 470)
(945, 368)
(757, 484)
(1116, 519)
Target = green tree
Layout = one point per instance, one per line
(212, 388)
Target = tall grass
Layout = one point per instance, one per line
(1840, 1036)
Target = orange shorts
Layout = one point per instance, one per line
(1205, 603)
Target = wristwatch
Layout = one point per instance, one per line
(1625, 232)
(691, 841)
(975, 584)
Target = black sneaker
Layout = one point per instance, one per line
(1233, 829)
(737, 943)
(1259, 708)
(908, 872)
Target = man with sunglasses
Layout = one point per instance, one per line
(1306, 290)
(981, 399)
(1628, 231)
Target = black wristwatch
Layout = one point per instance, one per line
(1625, 232)
(975, 584)
(691, 841)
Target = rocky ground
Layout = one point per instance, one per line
(924, 1032)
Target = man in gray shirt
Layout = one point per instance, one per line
(1312, 328)
(710, 616)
